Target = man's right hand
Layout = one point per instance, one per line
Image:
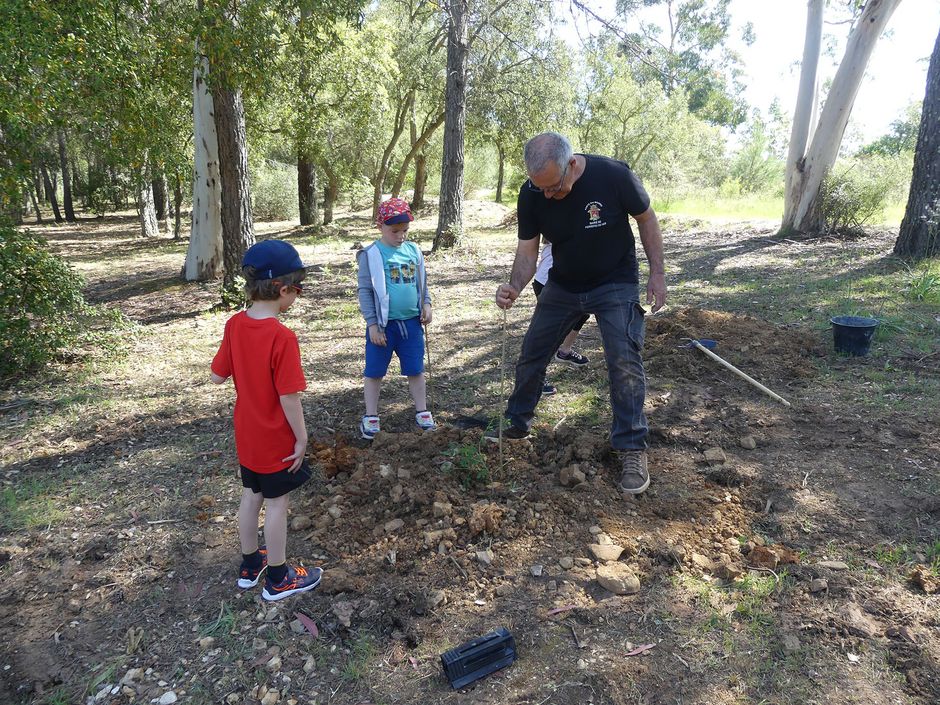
(506, 295)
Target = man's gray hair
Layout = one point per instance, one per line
(546, 148)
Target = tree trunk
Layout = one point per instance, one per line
(161, 200)
(919, 236)
(86, 193)
(50, 193)
(450, 215)
(66, 179)
(307, 190)
(421, 180)
(237, 225)
(500, 173)
(177, 204)
(204, 255)
(805, 171)
(38, 185)
(35, 202)
(330, 194)
(78, 188)
(145, 208)
(417, 145)
(378, 180)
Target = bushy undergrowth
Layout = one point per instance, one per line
(43, 313)
(274, 192)
(857, 191)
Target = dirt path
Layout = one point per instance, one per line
(773, 550)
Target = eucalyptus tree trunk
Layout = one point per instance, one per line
(919, 236)
(237, 225)
(807, 167)
(450, 215)
(204, 255)
(50, 193)
(66, 178)
(307, 190)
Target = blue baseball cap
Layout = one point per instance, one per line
(272, 258)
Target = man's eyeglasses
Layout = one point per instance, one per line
(551, 190)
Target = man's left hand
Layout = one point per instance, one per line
(426, 314)
(656, 291)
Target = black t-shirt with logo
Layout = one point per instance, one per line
(592, 243)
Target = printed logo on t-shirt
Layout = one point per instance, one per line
(593, 209)
(402, 273)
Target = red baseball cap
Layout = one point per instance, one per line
(395, 210)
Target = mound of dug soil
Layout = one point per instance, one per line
(424, 519)
(764, 351)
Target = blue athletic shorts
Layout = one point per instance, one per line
(405, 339)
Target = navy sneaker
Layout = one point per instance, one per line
(548, 390)
(297, 580)
(248, 577)
(573, 358)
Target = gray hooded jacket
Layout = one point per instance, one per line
(373, 296)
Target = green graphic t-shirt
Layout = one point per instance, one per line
(401, 271)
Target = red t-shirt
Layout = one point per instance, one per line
(263, 358)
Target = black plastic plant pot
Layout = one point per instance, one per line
(852, 335)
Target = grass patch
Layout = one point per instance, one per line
(29, 504)
(587, 407)
(360, 654)
(755, 206)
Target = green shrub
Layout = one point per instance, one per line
(860, 188)
(42, 310)
(274, 192)
(848, 200)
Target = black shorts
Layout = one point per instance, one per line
(275, 484)
(537, 287)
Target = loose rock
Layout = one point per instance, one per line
(618, 579)
(748, 442)
(608, 552)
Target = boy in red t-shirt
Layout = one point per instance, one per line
(262, 357)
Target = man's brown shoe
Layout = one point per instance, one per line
(635, 477)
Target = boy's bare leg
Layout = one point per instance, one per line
(372, 386)
(566, 344)
(248, 512)
(418, 389)
(275, 529)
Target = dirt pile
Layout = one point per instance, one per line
(764, 351)
(432, 518)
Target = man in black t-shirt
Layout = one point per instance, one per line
(581, 203)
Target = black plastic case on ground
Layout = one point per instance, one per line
(479, 657)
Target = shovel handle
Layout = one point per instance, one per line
(740, 374)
